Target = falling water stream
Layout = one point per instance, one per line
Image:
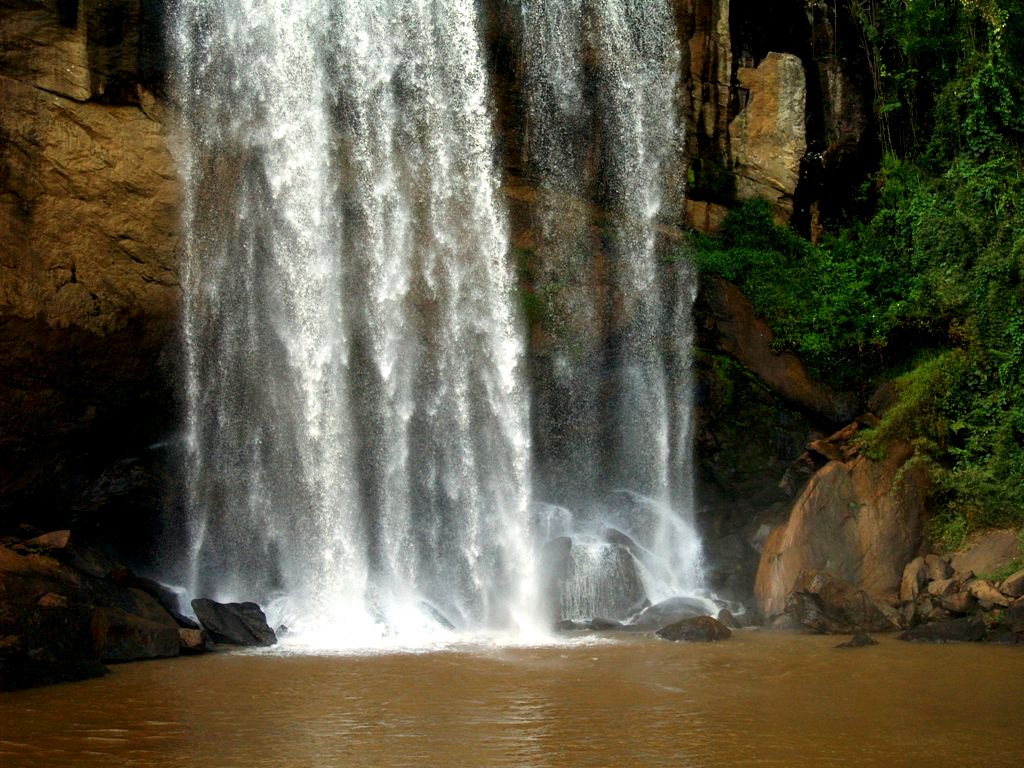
(358, 409)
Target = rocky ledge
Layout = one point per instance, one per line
(67, 608)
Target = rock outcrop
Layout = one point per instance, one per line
(59, 620)
(823, 603)
(768, 136)
(859, 519)
(89, 225)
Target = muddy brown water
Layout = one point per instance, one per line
(760, 699)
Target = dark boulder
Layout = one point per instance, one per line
(859, 640)
(234, 623)
(669, 611)
(54, 645)
(700, 629)
(1014, 616)
(970, 629)
(123, 636)
(825, 603)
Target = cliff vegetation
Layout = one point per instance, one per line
(921, 284)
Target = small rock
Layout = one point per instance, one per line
(234, 623)
(1013, 586)
(915, 576)
(604, 625)
(52, 600)
(1014, 616)
(48, 542)
(987, 595)
(859, 640)
(568, 625)
(192, 641)
(937, 567)
(970, 629)
(959, 602)
(700, 629)
(942, 587)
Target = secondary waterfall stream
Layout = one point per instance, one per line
(355, 375)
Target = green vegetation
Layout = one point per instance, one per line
(927, 292)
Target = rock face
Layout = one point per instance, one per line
(88, 231)
(824, 603)
(741, 334)
(768, 136)
(234, 623)
(701, 629)
(987, 553)
(61, 622)
(860, 520)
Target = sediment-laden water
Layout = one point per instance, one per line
(758, 699)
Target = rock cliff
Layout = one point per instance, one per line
(775, 105)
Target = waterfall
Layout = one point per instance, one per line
(357, 421)
(613, 407)
(359, 441)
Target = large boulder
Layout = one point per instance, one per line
(700, 629)
(234, 623)
(989, 552)
(590, 577)
(968, 629)
(123, 636)
(861, 520)
(825, 603)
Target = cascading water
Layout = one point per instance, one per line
(612, 415)
(358, 441)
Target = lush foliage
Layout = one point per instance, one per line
(929, 291)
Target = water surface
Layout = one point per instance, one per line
(760, 699)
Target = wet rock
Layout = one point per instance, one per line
(53, 645)
(700, 629)
(669, 611)
(604, 625)
(859, 640)
(825, 603)
(590, 577)
(568, 625)
(435, 613)
(1013, 586)
(726, 618)
(192, 641)
(989, 552)
(123, 636)
(970, 629)
(234, 623)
